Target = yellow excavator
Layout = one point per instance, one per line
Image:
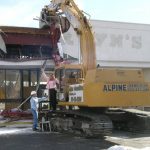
(87, 90)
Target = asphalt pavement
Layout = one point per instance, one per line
(22, 137)
(26, 139)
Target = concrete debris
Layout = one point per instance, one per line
(116, 147)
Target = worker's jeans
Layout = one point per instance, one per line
(35, 118)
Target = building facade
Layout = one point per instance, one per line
(26, 50)
(118, 45)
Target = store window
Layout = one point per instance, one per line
(30, 78)
(13, 84)
(25, 78)
(2, 84)
(17, 84)
(33, 78)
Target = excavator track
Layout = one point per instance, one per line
(132, 120)
(79, 123)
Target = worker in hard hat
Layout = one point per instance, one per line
(34, 102)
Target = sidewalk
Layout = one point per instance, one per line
(15, 123)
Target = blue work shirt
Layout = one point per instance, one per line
(34, 102)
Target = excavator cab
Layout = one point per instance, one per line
(68, 75)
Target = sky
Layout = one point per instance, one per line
(22, 12)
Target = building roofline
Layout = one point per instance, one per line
(24, 30)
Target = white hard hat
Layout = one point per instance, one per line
(33, 92)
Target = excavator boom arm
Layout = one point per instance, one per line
(81, 26)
